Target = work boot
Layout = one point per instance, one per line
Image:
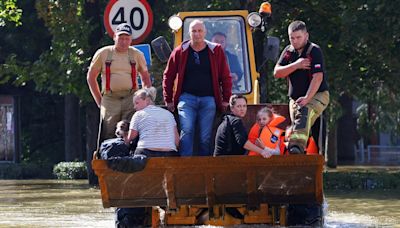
(295, 150)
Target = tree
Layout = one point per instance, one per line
(347, 31)
(9, 12)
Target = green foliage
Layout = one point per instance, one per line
(64, 62)
(9, 12)
(70, 170)
(361, 180)
(11, 69)
(60, 69)
(360, 40)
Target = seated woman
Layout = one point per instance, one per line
(231, 138)
(155, 127)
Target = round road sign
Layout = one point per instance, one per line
(137, 13)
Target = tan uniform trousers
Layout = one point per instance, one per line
(303, 118)
(115, 106)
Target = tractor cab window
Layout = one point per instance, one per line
(230, 32)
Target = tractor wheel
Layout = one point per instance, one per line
(305, 215)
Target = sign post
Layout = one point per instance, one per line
(137, 13)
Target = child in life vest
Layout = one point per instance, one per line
(264, 132)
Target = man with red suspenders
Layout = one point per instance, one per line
(302, 64)
(118, 65)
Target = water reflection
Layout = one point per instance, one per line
(53, 203)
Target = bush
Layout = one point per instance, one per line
(70, 170)
(362, 180)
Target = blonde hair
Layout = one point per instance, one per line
(145, 93)
(122, 128)
(266, 110)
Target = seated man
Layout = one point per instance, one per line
(232, 59)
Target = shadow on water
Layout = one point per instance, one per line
(54, 203)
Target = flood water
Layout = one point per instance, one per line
(54, 203)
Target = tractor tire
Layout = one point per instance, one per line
(305, 215)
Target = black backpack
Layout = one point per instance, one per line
(114, 147)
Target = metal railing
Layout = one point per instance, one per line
(376, 154)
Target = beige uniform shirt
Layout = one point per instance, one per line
(120, 78)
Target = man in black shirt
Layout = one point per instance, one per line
(203, 85)
(302, 64)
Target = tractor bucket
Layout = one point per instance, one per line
(209, 181)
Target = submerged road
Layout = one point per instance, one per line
(72, 203)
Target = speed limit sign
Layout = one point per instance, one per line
(137, 13)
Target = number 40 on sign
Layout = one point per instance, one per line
(137, 13)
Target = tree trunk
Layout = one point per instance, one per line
(331, 154)
(93, 12)
(374, 138)
(346, 131)
(92, 127)
(73, 139)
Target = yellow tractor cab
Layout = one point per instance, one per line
(236, 27)
(224, 190)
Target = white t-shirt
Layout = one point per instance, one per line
(156, 128)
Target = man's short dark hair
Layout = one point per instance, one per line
(219, 34)
(297, 26)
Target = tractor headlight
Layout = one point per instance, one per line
(175, 22)
(254, 19)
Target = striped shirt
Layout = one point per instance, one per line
(156, 128)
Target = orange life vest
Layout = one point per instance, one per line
(276, 120)
(312, 147)
(270, 135)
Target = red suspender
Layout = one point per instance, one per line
(108, 70)
(133, 73)
(108, 75)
